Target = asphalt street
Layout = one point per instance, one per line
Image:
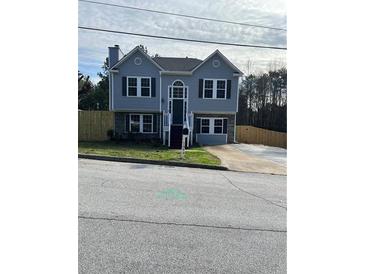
(139, 218)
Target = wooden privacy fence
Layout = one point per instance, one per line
(254, 135)
(94, 125)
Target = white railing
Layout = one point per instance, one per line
(166, 121)
(188, 124)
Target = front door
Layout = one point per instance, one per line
(177, 102)
(177, 123)
(177, 111)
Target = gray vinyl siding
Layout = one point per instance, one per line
(207, 71)
(199, 106)
(128, 68)
(213, 139)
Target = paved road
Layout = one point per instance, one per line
(157, 219)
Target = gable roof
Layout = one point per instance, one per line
(125, 57)
(177, 64)
(229, 63)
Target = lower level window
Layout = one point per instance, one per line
(212, 126)
(205, 125)
(141, 123)
(134, 124)
(147, 123)
(218, 125)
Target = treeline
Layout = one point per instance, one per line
(94, 96)
(263, 100)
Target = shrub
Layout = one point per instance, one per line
(110, 134)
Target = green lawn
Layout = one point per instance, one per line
(196, 155)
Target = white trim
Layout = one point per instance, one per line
(238, 91)
(184, 98)
(224, 59)
(139, 86)
(192, 128)
(126, 57)
(234, 128)
(111, 88)
(179, 81)
(214, 88)
(160, 92)
(137, 61)
(141, 123)
(161, 125)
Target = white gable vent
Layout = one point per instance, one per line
(137, 61)
(216, 63)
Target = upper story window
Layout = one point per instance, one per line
(145, 86)
(132, 86)
(208, 88)
(139, 86)
(215, 88)
(178, 90)
(221, 89)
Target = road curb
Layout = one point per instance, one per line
(144, 161)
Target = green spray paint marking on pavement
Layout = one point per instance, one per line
(171, 194)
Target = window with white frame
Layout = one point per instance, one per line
(141, 123)
(215, 88)
(145, 87)
(147, 123)
(132, 86)
(218, 126)
(178, 89)
(139, 86)
(134, 125)
(208, 88)
(221, 89)
(212, 125)
(205, 125)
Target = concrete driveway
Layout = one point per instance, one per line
(251, 158)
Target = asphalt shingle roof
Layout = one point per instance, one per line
(177, 64)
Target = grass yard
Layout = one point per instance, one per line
(196, 155)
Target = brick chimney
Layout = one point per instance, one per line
(113, 55)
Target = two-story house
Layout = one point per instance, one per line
(158, 97)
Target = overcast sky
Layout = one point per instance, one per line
(93, 46)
